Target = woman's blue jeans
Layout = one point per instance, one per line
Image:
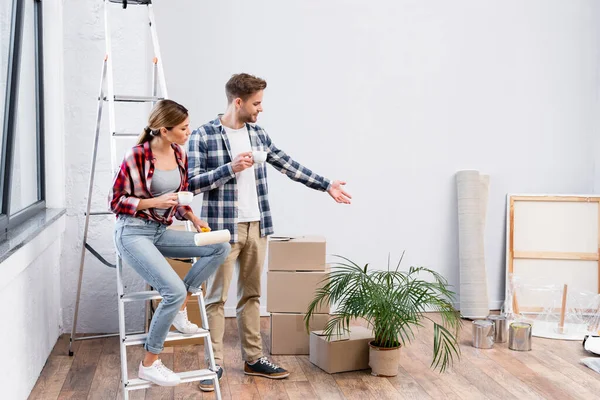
(143, 245)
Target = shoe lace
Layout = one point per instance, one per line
(163, 369)
(268, 363)
(186, 319)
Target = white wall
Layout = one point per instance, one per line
(30, 290)
(392, 96)
(597, 162)
(395, 97)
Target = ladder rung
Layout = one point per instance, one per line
(134, 99)
(188, 376)
(100, 213)
(133, 2)
(146, 295)
(133, 340)
(125, 134)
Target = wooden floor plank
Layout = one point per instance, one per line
(185, 358)
(105, 384)
(79, 379)
(271, 389)
(380, 387)
(323, 384)
(244, 391)
(300, 390)
(421, 349)
(408, 388)
(52, 378)
(568, 356)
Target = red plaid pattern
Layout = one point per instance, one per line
(132, 183)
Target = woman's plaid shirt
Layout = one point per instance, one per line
(132, 183)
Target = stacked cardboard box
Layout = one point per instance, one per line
(296, 269)
(340, 353)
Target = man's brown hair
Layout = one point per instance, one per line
(243, 86)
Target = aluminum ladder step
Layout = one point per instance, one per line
(100, 213)
(134, 340)
(188, 376)
(134, 99)
(126, 134)
(132, 2)
(146, 295)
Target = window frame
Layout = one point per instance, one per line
(8, 221)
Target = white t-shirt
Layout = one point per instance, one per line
(239, 141)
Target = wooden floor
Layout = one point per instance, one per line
(550, 371)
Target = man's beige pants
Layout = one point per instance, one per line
(250, 251)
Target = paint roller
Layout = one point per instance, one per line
(205, 238)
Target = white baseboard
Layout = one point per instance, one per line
(230, 311)
(493, 305)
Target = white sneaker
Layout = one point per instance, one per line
(159, 374)
(183, 324)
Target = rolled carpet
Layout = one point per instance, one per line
(472, 193)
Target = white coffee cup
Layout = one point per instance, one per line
(185, 197)
(259, 156)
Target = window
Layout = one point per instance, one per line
(5, 25)
(21, 112)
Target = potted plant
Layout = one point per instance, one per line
(394, 304)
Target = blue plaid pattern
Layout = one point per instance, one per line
(210, 172)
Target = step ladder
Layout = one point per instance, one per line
(139, 339)
(107, 95)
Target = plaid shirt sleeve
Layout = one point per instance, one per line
(286, 165)
(121, 197)
(200, 180)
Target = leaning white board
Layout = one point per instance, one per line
(552, 240)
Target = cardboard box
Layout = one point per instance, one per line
(348, 352)
(289, 335)
(303, 253)
(292, 292)
(181, 267)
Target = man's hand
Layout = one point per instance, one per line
(242, 161)
(337, 192)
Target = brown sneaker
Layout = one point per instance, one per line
(263, 367)
(207, 385)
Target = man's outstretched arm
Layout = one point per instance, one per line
(299, 173)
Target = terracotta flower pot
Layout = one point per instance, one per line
(384, 361)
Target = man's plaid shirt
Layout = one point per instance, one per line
(132, 183)
(210, 171)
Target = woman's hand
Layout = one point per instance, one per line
(200, 225)
(165, 201)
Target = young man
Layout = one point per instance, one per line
(236, 198)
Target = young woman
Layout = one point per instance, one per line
(144, 197)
